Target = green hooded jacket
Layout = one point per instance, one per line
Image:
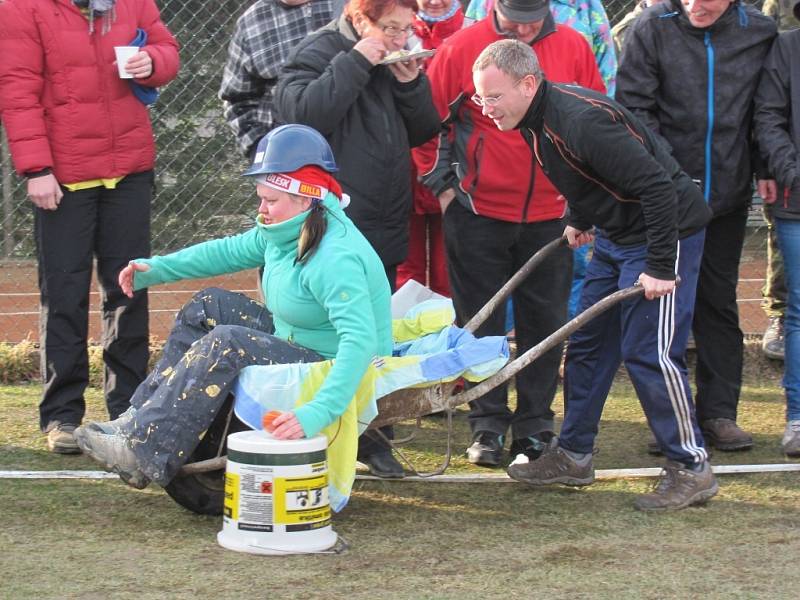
(337, 303)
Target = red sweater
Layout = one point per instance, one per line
(62, 102)
(494, 172)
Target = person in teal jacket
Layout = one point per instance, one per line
(327, 297)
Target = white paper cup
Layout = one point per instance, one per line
(123, 54)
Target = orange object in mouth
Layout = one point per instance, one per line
(268, 418)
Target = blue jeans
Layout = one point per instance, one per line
(789, 240)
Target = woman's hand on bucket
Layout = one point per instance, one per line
(126, 277)
(287, 427)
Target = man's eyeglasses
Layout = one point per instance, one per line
(395, 32)
(491, 100)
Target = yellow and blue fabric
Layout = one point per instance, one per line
(439, 353)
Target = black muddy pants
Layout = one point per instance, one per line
(111, 226)
(216, 334)
(482, 255)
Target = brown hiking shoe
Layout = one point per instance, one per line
(724, 434)
(680, 487)
(554, 466)
(61, 439)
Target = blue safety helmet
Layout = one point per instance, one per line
(289, 147)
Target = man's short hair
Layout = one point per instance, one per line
(512, 57)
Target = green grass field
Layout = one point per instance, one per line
(101, 539)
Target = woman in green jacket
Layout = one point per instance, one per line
(327, 297)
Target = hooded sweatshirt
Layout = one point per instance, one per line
(337, 303)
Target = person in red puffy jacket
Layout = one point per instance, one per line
(435, 21)
(81, 136)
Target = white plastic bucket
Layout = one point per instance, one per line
(276, 495)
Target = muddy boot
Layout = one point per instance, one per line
(725, 434)
(554, 466)
(680, 486)
(113, 452)
(113, 427)
(61, 439)
(384, 465)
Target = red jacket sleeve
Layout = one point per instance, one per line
(432, 159)
(21, 86)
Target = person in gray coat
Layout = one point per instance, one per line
(690, 72)
(777, 128)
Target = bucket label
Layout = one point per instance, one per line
(308, 526)
(254, 504)
(230, 509)
(302, 501)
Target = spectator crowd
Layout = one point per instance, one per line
(641, 145)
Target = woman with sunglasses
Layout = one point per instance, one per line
(372, 114)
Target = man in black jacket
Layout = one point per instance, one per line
(649, 219)
(679, 55)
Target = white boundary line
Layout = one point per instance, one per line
(600, 474)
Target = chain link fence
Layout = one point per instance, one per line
(199, 192)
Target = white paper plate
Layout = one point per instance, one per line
(417, 54)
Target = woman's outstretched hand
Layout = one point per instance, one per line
(287, 427)
(126, 277)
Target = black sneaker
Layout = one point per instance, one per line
(531, 446)
(383, 464)
(486, 449)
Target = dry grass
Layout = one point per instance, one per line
(100, 539)
(18, 362)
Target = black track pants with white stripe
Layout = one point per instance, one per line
(650, 337)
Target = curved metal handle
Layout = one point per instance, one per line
(555, 338)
